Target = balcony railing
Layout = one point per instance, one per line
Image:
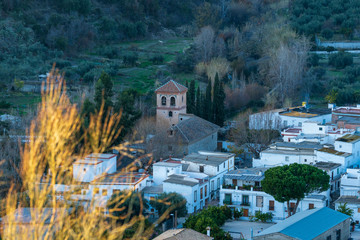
(227, 202)
(245, 187)
(246, 204)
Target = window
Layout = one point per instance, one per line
(292, 206)
(163, 101)
(340, 146)
(320, 128)
(259, 201)
(104, 192)
(311, 206)
(152, 198)
(96, 191)
(205, 190)
(234, 182)
(218, 168)
(257, 184)
(170, 148)
(212, 185)
(84, 169)
(328, 237)
(195, 209)
(337, 171)
(271, 205)
(224, 165)
(195, 195)
(286, 158)
(201, 193)
(171, 132)
(300, 124)
(305, 160)
(358, 210)
(285, 123)
(245, 199)
(218, 183)
(172, 101)
(338, 234)
(170, 113)
(201, 168)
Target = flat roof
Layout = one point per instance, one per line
(334, 152)
(211, 158)
(153, 189)
(181, 180)
(167, 164)
(327, 165)
(121, 178)
(87, 162)
(100, 156)
(247, 174)
(290, 151)
(349, 138)
(348, 199)
(302, 112)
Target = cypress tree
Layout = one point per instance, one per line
(191, 98)
(207, 106)
(198, 102)
(104, 92)
(218, 102)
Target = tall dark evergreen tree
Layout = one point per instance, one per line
(218, 102)
(126, 104)
(198, 109)
(207, 106)
(104, 92)
(190, 104)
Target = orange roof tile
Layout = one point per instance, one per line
(171, 87)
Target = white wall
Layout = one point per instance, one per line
(279, 159)
(161, 173)
(84, 172)
(187, 192)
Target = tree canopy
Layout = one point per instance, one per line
(170, 202)
(294, 182)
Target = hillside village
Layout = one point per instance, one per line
(194, 166)
(177, 120)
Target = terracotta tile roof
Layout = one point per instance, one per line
(171, 87)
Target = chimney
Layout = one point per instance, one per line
(208, 231)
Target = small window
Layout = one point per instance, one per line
(340, 146)
(218, 183)
(84, 169)
(328, 237)
(358, 210)
(205, 190)
(171, 132)
(170, 113)
(217, 168)
(195, 195)
(271, 205)
(338, 234)
(224, 165)
(152, 198)
(305, 160)
(320, 128)
(311, 206)
(286, 158)
(201, 169)
(172, 101)
(259, 201)
(170, 148)
(96, 191)
(163, 101)
(104, 192)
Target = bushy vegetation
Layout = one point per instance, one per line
(325, 17)
(213, 217)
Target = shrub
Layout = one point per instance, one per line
(130, 60)
(5, 104)
(314, 60)
(340, 60)
(92, 75)
(157, 59)
(110, 52)
(263, 217)
(237, 214)
(327, 33)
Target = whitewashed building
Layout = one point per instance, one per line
(94, 166)
(350, 192)
(314, 132)
(285, 153)
(242, 190)
(288, 117)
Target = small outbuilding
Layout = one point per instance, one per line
(322, 223)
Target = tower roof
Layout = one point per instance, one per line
(172, 87)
